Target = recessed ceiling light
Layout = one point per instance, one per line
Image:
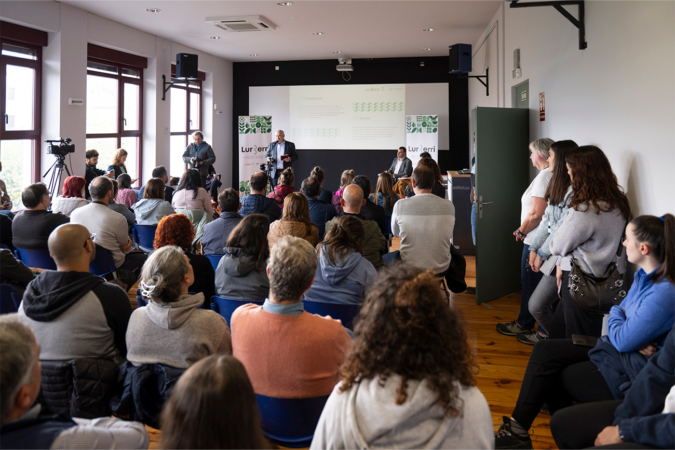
(292, 17)
(253, 54)
(426, 49)
(284, 3)
(337, 51)
(318, 34)
(215, 38)
(153, 10)
(428, 29)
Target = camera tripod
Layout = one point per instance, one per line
(57, 171)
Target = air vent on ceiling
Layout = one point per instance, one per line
(241, 23)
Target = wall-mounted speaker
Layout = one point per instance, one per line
(186, 65)
(460, 58)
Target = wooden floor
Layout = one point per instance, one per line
(502, 359)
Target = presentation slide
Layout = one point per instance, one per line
(350, 117)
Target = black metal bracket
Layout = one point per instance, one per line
(579, 23)
(485, 83)
(166, 88)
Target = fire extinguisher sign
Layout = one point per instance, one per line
(542, 107)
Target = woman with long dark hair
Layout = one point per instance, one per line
(409, 380)
(438, 188)
(590, 234)
(213, 406)
(295, 221)
(126, 195)
(190, 194)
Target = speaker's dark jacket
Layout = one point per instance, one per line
(289, 150)
(205, 154)
(405, 170)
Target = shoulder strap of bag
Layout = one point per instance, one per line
(623, 238)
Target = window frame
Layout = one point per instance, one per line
(121, 132)
(189, 131)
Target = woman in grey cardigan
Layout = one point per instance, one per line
(590, 233)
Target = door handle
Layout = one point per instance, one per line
(125, 121)
(6, 118)
(486, 203)
(480, 206)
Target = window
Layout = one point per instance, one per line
(114, 113)
(20, 83)
(186, 118)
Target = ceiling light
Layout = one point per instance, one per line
(428, 29)
(284, 3)
(337, 51)
(292, 18)
(154, 10)
(426, 49)
(215, 38)
(318, 34)
(253, 54)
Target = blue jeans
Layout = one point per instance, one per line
(529, 281)
(8, 213)
(473, 222)
(391, 258)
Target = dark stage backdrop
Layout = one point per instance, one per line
(366, 71)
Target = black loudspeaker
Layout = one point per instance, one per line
(186, 66)
(460, 58)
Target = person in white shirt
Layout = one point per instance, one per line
(401, 166)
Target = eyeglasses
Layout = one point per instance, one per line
(92, 237)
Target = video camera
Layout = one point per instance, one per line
(60, 147)
(267, 167)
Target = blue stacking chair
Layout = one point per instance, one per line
(9, 299)
(290, 422)
(342, 311)
(36, 257)
(226, 306)
(104, 263)
(144, 236)
(215, 259)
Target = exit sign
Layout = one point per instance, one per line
(542, 107)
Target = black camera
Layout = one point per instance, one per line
(267, 167)
(60, 147)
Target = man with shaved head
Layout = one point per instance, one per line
(281, 153)
(376, 245)
(73, 313)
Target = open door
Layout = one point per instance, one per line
(502, 176)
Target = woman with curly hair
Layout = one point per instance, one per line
(294, 222)
(177, 229)
(409, 380)
(72, 196)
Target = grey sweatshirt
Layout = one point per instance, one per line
(177, 334)
(366, 416)
(592, 239)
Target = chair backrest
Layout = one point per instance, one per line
(290, 422)
(9, 299)
(226, 306)
(144, 236)
(342, 311)
(104, 263)
(215, 260)
(36, 257)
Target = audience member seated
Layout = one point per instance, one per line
(343, 275)
(370, 210)
(287, 352)
(385, 196)
(213, 406)
(217, 232)
(319, 175)
(438, 188)
(294, 222)
(20, 371)
(5, 200)
(171, 329)
(410, 380)
(345, 180)
(241, 272)
(72, 196)
(256, 202)
(31, 227)
(561, 373)
(177, 229)
(152, 207)
(14, 272)
(190, 194)
(121, 208)
(319, 212)
(285, 187)
(6, 236)
(91, 172)
(412, 220)
(126, 195)
(110, 229)
(161, 173)
(352, 200)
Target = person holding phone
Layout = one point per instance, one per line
(281, 153)
(91, 172)
(118, 167)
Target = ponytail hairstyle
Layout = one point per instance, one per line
(659, 234)
(287, 177)
(347, 177)
(162, 274)
(406, 328)
(560, 182)
(345, 236)
(317, 173)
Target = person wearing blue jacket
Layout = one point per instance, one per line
(256, 202)
(561, 373)
(343, 274)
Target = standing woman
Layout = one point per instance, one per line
(384, 196)
(118, 163)
(590, 233)
(533, 207)
(325, 195)
(345, 180)
(294, 222)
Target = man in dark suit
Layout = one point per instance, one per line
(281, 153)
(401, 166)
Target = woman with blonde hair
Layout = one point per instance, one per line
(295, 221)
(384, 195)
(118, 165)
(285, 187)
(345, 180)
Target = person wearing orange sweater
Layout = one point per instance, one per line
(288, 352)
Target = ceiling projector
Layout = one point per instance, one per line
(345, 65)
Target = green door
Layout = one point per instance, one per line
(502, 176)
(522, 95)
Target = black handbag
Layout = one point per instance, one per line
(457, 273)
(597, 295)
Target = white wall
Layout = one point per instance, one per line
(65, 75)
(618, 94)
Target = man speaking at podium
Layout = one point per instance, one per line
(281, 154)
